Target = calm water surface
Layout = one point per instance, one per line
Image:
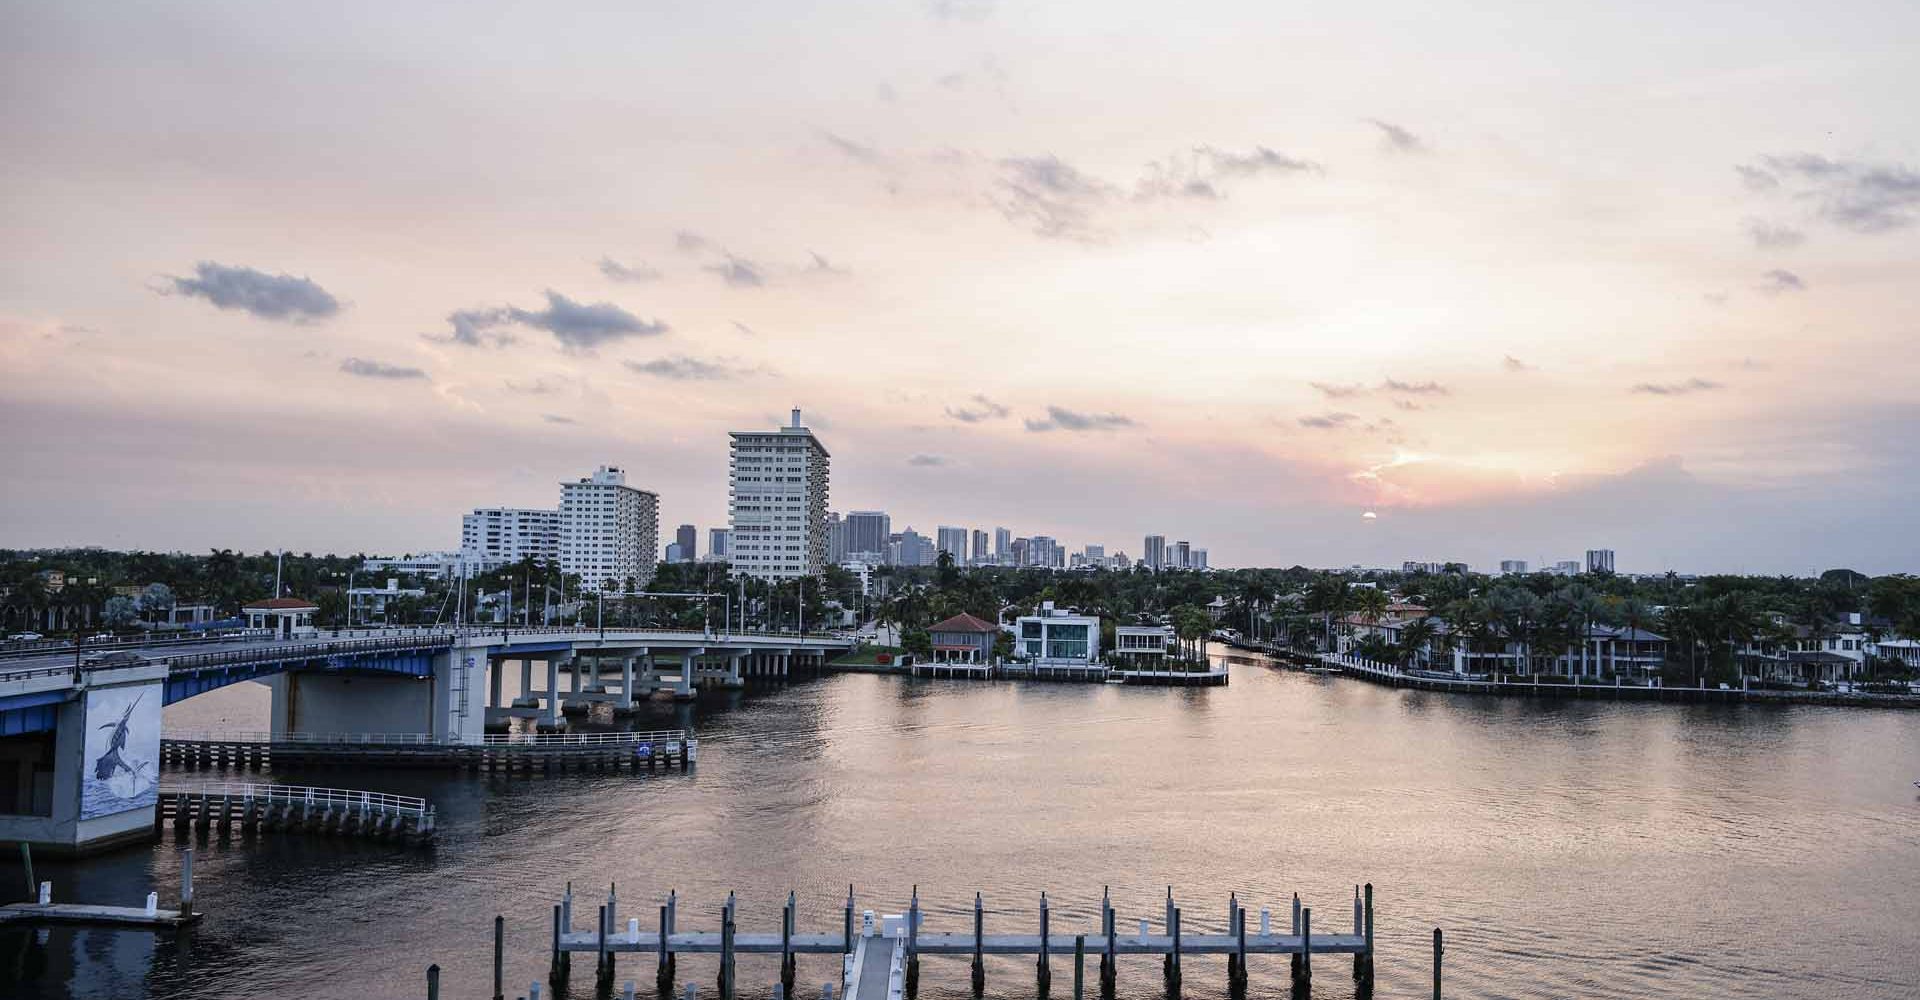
(1588, 849)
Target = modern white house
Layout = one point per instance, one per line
(777, 501)
(1055, 638)
(368, 605)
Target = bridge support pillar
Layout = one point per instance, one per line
(683, 691)
(495, 672)
(734, 661)
(111, 727)
(550, 709)
(626, 683)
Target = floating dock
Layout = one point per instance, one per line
(654, 750)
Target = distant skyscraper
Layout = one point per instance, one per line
(1513, 567)
(778, 482)
(1096, 555)
(676, 554)
(609, 531)
(1017, 552)
(1154, 552)
(836, 538)
(1599, 560)
(687, 537)
(1182, 556)
(1042, 550)
(915, 549)
(868, 531)
(1199, 558)
(1002, 545)
(952, 541)
(980, 555)
(719, 542)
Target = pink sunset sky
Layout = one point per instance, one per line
(1519, 278)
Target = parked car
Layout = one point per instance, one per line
(25, 637)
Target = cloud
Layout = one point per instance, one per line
(926, 460)
(681, 368)
(961, 10)
(555, 418)
(1773, 236)
(1688, 387)
(376, 369)
(1853, 194)
(738, 272)
(1328, 421)
(983, 409)
(855, 151)
(580, 326)
(1336, 391)
(542, 386)
(267, 296)
(576, 325)
(1060, 418)
(1398, 139)
(743, 329)
(688, 241)
(1050, 196)
(1428, 388)
(634, 275)
(1260, 160)
(1513, 364)
(821, 265)
(1407, 404)
(1781, 280)
(1715, 298)
(952, 81)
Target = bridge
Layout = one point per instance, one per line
(81, 727)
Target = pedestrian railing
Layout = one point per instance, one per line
(623, 738)
(351, 799)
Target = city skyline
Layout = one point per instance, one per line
(1503, 298)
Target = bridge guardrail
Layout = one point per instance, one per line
(423, 739)
(254, 654)
(299, 794)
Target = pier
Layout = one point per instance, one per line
(640, 750)
(1213, 676)
(257, 808)
(881, 954)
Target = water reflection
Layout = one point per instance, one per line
(1572, 848)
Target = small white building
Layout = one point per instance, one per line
(286, 617)
(366, 605)
(1055, 638)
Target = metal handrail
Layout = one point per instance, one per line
(622, 738)
(254, 654)
(298, 794)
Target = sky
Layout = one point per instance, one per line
(1517, 279)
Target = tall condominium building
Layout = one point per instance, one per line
(777, 485)
(609, 531)
(1017, 552)
(1182, 556)
(1154, 552)
(719, 542)
(952, 541)
(1096, 555)
(687, 537)
(1002, 545)
(1042, 550)
(1513, 567)
(981, 556)
(1599, 560)
(868, 531)
(1199, 558)
(510, 534)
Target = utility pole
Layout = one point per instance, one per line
(279, 563)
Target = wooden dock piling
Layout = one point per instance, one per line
(1079, 966)
(1044, 973)
(979, 971)
(433, 982)
(788, 924)
(1437, 950)
(499, 951)
(913, 945)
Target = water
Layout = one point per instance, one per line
(1581, 849)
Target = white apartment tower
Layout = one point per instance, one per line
(609, 531)
(493, 535)
(777, 502)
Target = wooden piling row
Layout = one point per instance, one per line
(239, 755)
(202, 813)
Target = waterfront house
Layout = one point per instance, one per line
(963, 639)
(1055, 638)
(1143, 647)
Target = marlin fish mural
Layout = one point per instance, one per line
(110, 765)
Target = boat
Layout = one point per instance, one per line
(1323, 670)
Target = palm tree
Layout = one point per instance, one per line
(1414, 639)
